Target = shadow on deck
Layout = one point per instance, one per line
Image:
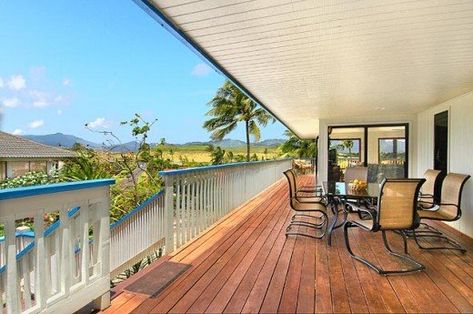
(246, 264)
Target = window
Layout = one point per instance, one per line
(38, 166)
(392, 151)
(348, 150)
(17, 168)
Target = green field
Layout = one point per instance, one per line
(200, 153)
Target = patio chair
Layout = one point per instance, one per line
(396, 211)
(427, 193)
(314, 190)
(302, 207)
(356, 173)
(449, 209)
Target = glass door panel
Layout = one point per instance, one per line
(346, 149)
(387, 152)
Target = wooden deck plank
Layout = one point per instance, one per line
(306, 296)
(338, 287)
(262, 265)
(251, 245)
(231, 284)
(356, 296)
(323, 295)
(290, 292)
(246, 264)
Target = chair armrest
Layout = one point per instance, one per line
(370, 210)
(424, 195)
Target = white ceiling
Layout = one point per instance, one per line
(307, 60)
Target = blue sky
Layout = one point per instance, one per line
(67, 63)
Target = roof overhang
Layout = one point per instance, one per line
(307, 60)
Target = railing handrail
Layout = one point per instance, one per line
(214, 167)
(136, 209)
(36, 190)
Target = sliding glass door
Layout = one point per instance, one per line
(381, 148)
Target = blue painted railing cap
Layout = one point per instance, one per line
(213, 167)
(53, 188)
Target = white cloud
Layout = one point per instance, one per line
(17, 82)
(59, 112)
(99, 123)
(40, 103)
(36, 124)
(1, 82)
(201, 69)
(40, 98)
(66, 82)
(17, 132)
(11, 102)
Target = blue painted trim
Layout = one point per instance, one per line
(135, 210)
(53, 188)
(165, 22)
(229, 165)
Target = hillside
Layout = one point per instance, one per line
(67, 141)
(60, 140)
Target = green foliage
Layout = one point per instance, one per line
(229, 107)
(31, 178)
(297, 147)
(217, 155)
(86, 166)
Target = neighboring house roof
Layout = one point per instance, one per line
(12, 146)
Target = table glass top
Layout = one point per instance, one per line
(343, 189)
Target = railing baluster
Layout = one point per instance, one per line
(13, 294)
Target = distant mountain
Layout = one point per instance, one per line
(126, 147)
(270, 142)
(60, 140)
(67, 141)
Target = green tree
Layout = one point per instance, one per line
(217, 155)
(347, 144)
(298, 147)
(229, 107)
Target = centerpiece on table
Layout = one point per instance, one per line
(358, 185)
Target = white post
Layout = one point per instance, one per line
(169, 213)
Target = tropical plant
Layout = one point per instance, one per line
(298, 147)
(217, 155)
(228, 108)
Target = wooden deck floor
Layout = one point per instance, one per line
(246, 264)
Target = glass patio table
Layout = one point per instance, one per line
(338, 194)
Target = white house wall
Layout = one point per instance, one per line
(460, 148)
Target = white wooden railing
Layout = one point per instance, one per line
(137, 234)
(196, 198)
(67, 265)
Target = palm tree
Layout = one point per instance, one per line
(229, 107)
(348, 144)
(298, 147)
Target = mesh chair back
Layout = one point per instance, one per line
(356, 173)
(452, 189)
(431, 177)
(398, 203)
(291, 180)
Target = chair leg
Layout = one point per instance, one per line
(309, 225)
(436, 234)
(416, 265)
(315, 225)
